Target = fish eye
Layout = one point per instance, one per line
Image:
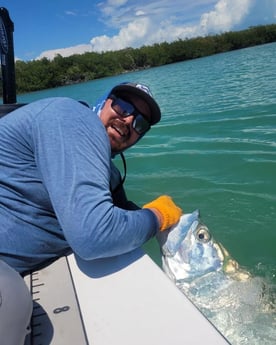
(203, 235)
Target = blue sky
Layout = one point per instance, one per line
(44, 28)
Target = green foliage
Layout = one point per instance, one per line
(44, 74)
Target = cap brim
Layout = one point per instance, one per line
(154, 107)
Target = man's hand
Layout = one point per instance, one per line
(166, 211)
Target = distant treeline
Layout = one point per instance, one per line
(44, 74)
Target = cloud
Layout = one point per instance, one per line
(79, 49)
(132, 35)
(156, 21)
(262, 12)
(70, 13)
(151, 25)
(226, 14)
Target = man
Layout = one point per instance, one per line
(59, 190)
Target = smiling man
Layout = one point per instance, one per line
(134, 105)
(60, 192)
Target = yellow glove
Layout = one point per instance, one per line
(169, 211)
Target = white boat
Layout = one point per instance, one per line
(118, 301)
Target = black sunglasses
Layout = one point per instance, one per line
(123, 108)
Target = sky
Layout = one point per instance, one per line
(45, 28)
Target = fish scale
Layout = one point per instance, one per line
(239, 305)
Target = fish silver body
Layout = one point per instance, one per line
(189, 251)
(241, 307)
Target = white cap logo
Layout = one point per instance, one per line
(144, 88)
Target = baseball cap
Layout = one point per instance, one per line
(142, 91)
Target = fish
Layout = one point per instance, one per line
(241, 306)
(189, 251)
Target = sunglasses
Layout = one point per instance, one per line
(140, 124)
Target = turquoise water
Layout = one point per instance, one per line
(215, 148)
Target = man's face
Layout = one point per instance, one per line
(119, 129)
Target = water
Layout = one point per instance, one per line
(215, 148)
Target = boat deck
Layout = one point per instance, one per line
(123, 300)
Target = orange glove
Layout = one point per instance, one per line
(170, 213)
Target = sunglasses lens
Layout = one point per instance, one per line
(140, 124)
(124, 109)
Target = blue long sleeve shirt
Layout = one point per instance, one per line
(55, 176)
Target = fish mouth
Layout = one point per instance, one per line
(231, 266)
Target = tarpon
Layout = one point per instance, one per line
(241, 306)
